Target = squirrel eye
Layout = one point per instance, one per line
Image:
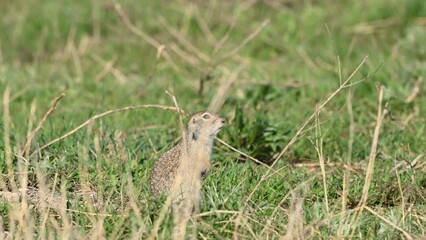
(206, 116)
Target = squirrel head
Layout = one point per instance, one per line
(203, 126)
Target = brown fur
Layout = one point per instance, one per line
(200, 133)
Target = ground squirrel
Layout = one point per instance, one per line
(199, 135)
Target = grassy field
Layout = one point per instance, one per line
(329, 95)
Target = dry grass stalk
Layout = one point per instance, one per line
(185, 56)
(415, 91)
(319, 150)
(292, 84)
(133, 205)
(248, 39)
(203, 25)
(308, 60)
(26, 222)
(20, 92)
(211, 229)
(313, 165)
(373, 152)
(405, 233)
(29, 129)
(408, 164)
(219, 44)
(373, 26)
(144, 36)
(108, 67)
(371, 161)
(311, 228)
(84, 177)
(150, 142)
(97, 116)
(184, 42)
(293, 192)
(401, 192)
(346, 173)
(237, 223)
(21, 223)
(219, 99)
(248, 156)
(43, 192)
(295, 226)
(66, 223)
(27, 145)
(76, 57)
(6, 138)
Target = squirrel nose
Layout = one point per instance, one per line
(223, 120)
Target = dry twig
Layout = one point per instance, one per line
(97, 116)
(26, 149)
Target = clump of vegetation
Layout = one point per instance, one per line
(255, 135)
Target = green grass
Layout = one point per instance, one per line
(287, 70)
